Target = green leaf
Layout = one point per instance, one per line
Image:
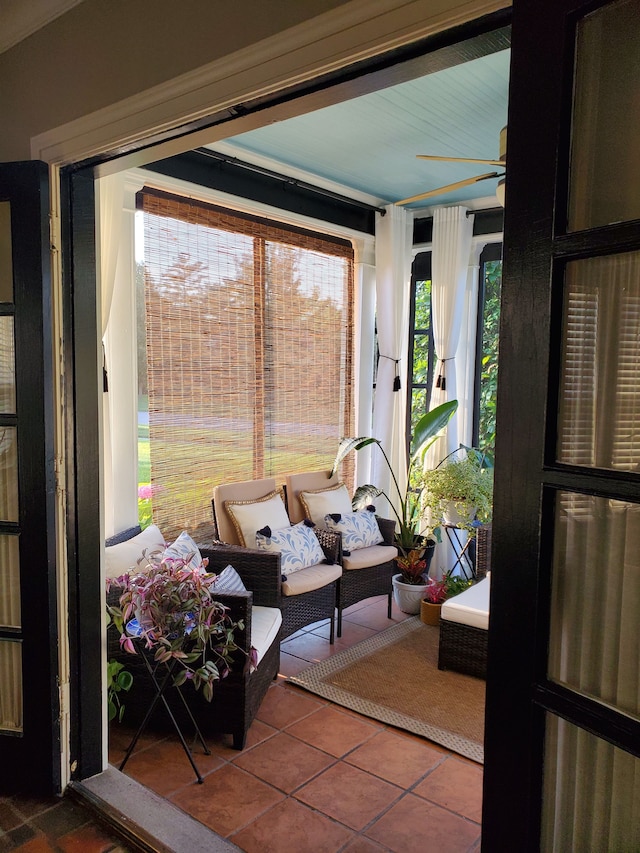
(346, 446)
(429, 425)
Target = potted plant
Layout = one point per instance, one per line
(412, 531)
(437, 592)
(414, 538)
(170, 610)
(459, 490)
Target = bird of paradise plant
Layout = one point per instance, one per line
(412, 532)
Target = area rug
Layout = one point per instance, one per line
(394, 678)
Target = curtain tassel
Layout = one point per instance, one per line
(105, 376)
(396, 380)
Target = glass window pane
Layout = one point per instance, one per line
(8, 474)
(599, 412)
(591, 792)
(10, 686)
(420, 358)
(423, 305)
(418, 406)
(605, 167)
(7, 367)
(6, 262)
(9, 582)
(595, 599)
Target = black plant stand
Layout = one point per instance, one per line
(158, 695)
(465, 554)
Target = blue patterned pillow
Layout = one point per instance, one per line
(186, 550)
(229, 581)
(297, 545)
(358, 529)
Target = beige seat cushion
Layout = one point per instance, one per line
(471, 607)
(364, 558)
(312, 578)
(265, 624)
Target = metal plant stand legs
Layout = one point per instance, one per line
(160, 687)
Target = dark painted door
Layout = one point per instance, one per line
(29, 704)
(562, 767)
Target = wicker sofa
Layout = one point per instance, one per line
(464, 619)
(237, 697)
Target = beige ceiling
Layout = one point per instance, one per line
(21, 18)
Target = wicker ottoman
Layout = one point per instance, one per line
(464, 623)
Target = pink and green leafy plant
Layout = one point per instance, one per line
(438, 591)
(179, 619)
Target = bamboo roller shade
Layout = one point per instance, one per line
(249, 330)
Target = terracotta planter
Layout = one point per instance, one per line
(407, 595)
(429, 612)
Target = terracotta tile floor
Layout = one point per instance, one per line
(315, 777)
(52, 825)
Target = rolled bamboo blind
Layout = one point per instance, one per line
(249, 352)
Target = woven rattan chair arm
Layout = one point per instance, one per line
(331, 544)
(387, 529)
(483, 550)
(240, 605)
(260, 570)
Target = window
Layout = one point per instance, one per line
(484, 421)
(249, 345)
(421, 349)
(421, 354)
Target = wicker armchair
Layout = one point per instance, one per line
(366, 572)
(299, 608)
(463, 647)
(236, 698)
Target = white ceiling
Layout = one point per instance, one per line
(21, 18)
(369, 144)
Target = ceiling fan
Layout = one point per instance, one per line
(502, 161)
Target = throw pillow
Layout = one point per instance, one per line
(229, 581)
(321, 502)
(249, 516)
(185, 550)
(297, 545)
(358, 529)
(123, 557)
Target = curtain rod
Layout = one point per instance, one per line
(234, 161)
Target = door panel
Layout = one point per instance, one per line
(29, 707)
(563, 692)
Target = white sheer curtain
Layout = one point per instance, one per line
(394, 236)
(109, 203)
(452, 232)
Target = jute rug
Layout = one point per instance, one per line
(394, 678)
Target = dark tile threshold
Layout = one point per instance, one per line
(144, 820)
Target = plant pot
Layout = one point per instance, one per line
(457, 518)
(407, 595)
(429, 612)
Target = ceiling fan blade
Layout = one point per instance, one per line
(450, 187)
(459, 159)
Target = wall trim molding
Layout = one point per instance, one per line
(355, 31)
